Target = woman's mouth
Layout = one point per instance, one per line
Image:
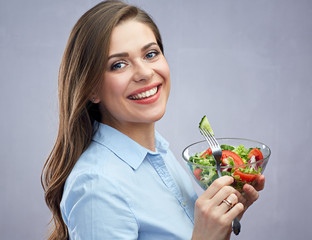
(146, 94)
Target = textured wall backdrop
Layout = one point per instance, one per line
(246, 64)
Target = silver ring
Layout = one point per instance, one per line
(228, 202)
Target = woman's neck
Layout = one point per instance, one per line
(142, 133)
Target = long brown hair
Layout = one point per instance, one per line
(81, 72)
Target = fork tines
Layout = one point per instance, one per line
(209, 137)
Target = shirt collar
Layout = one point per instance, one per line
(125, 148)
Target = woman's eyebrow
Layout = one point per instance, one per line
(148, 46)
(118, 55)
(125, 54)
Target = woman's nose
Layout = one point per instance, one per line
(142, 71)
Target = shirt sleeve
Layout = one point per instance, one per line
(94, 208)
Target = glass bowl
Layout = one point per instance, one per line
(210, 174)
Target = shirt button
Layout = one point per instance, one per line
(183, 204)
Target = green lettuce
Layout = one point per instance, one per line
(242, 152)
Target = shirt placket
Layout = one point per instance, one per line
(159, 165)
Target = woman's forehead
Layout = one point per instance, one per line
(130, 35)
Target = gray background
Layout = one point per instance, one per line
(246, 64)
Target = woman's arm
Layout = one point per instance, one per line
(93, 208)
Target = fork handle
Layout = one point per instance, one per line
(236, 226)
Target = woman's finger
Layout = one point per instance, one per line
(228, 203)
(251, 194)
(260, 183)
(234, 211)
(222, 194)
(217, 185)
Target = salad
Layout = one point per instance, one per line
(247, 161)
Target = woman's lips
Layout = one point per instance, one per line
(146, 95)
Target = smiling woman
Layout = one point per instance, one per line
(110, 174)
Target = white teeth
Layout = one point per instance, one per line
(146, 94)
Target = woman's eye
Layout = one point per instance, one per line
(118, 65)
(151, 54)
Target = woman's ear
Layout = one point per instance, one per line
(94, 99)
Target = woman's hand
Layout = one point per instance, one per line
(213, 217)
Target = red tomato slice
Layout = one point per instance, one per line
(208, 151)
(255, 152)
(237, 159)
(197, 172)
(246, 177)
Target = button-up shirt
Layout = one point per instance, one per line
(121, 190)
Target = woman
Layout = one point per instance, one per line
(110, 175)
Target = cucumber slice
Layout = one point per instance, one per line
(204, 123)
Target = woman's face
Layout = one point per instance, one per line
(136, 82)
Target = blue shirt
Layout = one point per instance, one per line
(121, 190)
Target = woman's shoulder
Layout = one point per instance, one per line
(90, 173)
(90, 165)
(94, 156)
(96, 162)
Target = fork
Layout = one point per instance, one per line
(215, 148)
(217, 154)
